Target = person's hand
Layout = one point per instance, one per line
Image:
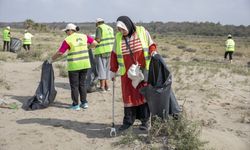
(154, 53)
(112, 75)
(50, 60)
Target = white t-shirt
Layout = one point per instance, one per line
(28, 36)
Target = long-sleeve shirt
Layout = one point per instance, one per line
(131, 96)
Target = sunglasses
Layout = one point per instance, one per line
(67, 31)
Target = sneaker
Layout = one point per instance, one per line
(76, 107)
(102, 90)
(107, 89)
(84, 105)
(143, 126)
(124, 127)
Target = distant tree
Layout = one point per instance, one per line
(28, 23)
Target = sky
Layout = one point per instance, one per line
(226, 12)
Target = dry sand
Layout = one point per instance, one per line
(58, 128)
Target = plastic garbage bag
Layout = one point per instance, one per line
(92, 75)
(15, 45)
(45, 93)
(158, 94)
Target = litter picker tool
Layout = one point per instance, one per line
(113, 130)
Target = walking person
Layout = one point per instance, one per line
(27, 40)
(133, 45)
(105, 38)
(230, 47)
(6, 38)
(78, 63)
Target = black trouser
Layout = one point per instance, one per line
(77, 84)
(230, 55)
(137, 112)
(6, 43)
(26, 46)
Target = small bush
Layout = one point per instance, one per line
(181, 46)
(31, 55)
(172, 134)
(176, 59)
(189, 50)
(248, 64)
(128, 139)
(181, 133)
(5, 56)
(62, 70)
(4, 84)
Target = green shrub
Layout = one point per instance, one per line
(180, 134)
(62, 70)
(172, 134)
(31, 55)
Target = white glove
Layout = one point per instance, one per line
(50, 60)
(153, 53)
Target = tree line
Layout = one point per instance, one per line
(189, 28)
(194, 28)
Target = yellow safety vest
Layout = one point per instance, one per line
(107, 40)
(78, 57)
(141, 32)
(230, 45)
(27, 38)
(6, 35)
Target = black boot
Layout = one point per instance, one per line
(124, 127)
(144, 126)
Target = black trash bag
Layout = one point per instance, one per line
(158, 94)
(15, 45)
(46, 92)
(92, 75)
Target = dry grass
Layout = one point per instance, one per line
(170, 134)
(205, 47)
(6, 56)
(62, 70)
(3, 83)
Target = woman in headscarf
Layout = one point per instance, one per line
(133, 45)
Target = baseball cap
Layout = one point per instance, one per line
(70, 26)
(99, 20)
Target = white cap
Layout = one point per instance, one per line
(70, 26)
(229, 35)
(99, 20)
(8, 27)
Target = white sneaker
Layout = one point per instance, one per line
(85, 105)
(77, 107)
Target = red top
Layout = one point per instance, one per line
(65, 46)
(131, 96)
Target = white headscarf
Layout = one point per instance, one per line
(121, 25)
